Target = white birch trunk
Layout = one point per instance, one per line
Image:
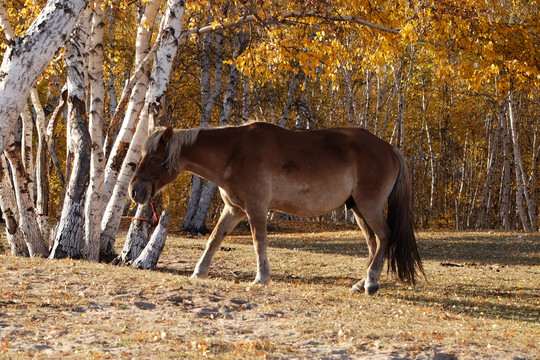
(245, 99)
(151, 253)
(352, 106)
(27, 214)
(26, 59)
(69, 232)
(193, 202)
(172, 22)
(94, 205)
(41, 168)
(367, 108)
(521, 195)
(381, 88)
(49, 135)
(26, 145)
(505, 176)
(493, 132)
(135, 105)
(138, 235)
(10, 213)
(209, 96)
(290, 97)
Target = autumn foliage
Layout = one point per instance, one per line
(453, 83)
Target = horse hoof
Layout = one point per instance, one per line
(358, 287)
(259, 283)
(372, 289)
(197, 276)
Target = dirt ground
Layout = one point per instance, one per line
(481, 301)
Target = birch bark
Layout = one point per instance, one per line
(94, 204)
(28, 220)
(42, 170)
(150, 255)
(69, 233)
(521, 194)
(26, 59)
(505, 176)
(290, 97)
(8, 205)
(169, 41)
(121, 141)
(203, 191)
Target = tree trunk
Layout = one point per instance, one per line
(26, 146)
(42, 169)
(117, 142)
(245, 99)
(367, 107)
(505, 178)
(494, 134)
(69, 233)
(26, 59)
(352, 106)
(151, 253)
(8, 205)
(381, 89)
(290, 97)
(521, 195)
(139, 231)
(198, 223)
(94, 203)
(169, 40)
(194, 198)
(209, 97)
(27, 218)
(202, 191)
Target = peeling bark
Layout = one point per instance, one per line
(172, 22)
(26, 59)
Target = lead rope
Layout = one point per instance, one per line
(154, 221)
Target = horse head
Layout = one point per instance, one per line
(154, 170)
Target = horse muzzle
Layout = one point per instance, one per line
(140, 192)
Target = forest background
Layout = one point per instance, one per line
(453, 84)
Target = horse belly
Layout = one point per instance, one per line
(310, 198)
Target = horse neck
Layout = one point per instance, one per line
(207, 157)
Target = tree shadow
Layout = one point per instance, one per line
(503, 249)
(515, 307)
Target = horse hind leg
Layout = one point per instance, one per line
(379, 233)
(370, 240)
(230, 216)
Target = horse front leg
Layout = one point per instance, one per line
(230, 216)
(257, 221)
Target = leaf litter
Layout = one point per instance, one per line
(488, 307)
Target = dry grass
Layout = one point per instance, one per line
(481, 301)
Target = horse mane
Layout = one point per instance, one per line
(180, 138)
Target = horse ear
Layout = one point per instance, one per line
(167, 135)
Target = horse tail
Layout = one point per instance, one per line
(402, 255)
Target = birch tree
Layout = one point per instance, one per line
(26, 59)
(8, 204)
(122, 140)
(93, 203)
(153, 107)
(203, 191)
(69, 234)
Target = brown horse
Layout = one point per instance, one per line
(260, 167)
